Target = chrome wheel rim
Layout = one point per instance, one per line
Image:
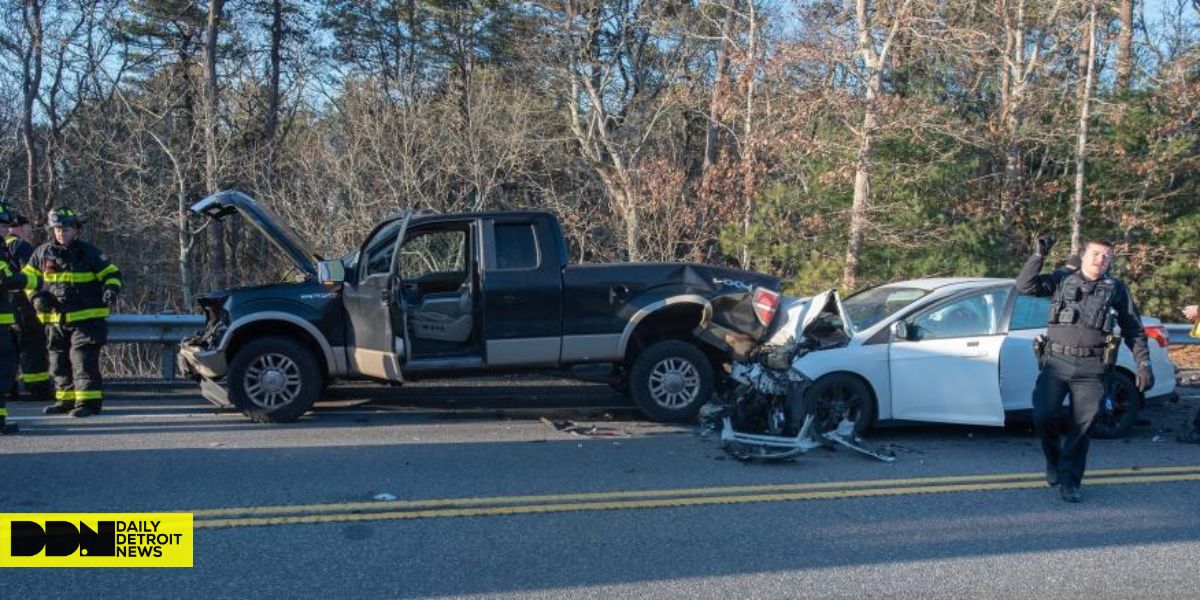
(272, 380)
(674, 383)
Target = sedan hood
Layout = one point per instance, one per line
(222, 204)
(819, 317)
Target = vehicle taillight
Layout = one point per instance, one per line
(1159, 334)
(766, 302)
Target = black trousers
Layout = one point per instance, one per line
(34, 360)
(75, 361)
(8, 367)
(1065, 440)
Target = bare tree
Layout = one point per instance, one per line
(873, 53)
(610, 69)
(1081, 140)
(211, 147)
(1021, 61)
(1125, 58)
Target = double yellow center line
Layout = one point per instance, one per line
(668, 498)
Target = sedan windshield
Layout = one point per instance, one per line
(871, 306)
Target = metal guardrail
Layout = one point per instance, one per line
(166, 330)
(169, 330)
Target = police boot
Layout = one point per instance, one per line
(1070, 493)
(7, 428)
(1051, 475)
(86, 409)
(58, 408)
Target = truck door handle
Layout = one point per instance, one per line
(385, 295)
(617, 292)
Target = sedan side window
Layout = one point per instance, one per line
(1029, 312)
(974, 315)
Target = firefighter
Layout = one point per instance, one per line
(10, 280)
(1077, 352)
(30, 333)
(73, 284)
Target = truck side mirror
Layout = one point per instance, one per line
(331, 272)
(900, 330)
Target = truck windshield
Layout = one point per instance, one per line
(873, 305)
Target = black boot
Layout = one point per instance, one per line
(85, 409)
(1070, 493)
(7, 428)
(58, 408)
(1051, 476)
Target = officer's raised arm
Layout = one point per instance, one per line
(1030, 281)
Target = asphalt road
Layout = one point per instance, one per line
(490, 499)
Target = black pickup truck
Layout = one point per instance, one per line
(436, 295)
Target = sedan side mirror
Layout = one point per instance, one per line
(331, 272)
(900, 330)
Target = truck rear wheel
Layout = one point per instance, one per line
(274, 380)
(670, 380)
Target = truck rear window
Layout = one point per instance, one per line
(516, 246)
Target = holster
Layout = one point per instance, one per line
(1039, 348)
(1112, 345)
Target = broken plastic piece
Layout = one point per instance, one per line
(573, 428)
(384, 496)
(844, 435)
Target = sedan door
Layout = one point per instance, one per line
(1018, 367)
(947, 370)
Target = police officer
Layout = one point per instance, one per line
(30, 333)
(1084, 306)
(72, 284)
(10, 280)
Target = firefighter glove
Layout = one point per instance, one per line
(110, 296)
(43, 302)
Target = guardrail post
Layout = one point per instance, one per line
(167, 360)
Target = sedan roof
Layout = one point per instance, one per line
(937, 283)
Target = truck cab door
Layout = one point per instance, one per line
(374, 309)
(522, 291)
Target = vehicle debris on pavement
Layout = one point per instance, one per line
(773, 413)
(573, 428)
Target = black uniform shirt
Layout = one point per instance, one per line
(1030, 282)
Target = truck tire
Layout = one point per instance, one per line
(840, 395)
(1118, 410)
(274, 380)
(671, 380)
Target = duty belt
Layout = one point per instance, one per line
(1076, 351)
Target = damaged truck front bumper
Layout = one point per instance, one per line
(208, 364)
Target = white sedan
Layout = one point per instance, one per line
(952, 350)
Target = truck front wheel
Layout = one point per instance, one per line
(274, 380)
(670, 380)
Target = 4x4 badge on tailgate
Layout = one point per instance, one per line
(741, 285)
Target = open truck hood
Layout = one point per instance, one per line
(222, 204)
